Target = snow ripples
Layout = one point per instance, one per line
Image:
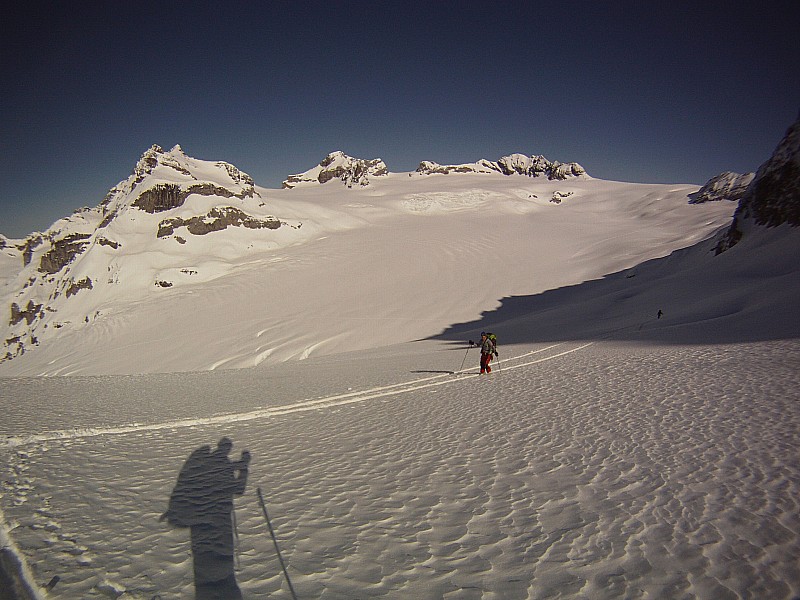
(602, 471)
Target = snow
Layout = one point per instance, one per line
(438, 250)
(610, 453)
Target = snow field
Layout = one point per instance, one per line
(576, 470)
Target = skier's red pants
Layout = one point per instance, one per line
(485, 360)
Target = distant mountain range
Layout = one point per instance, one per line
(180, 223)
(356, 171)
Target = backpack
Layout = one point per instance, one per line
(187, 503)
(492, 338)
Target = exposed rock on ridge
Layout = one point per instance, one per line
(338, 165)
(725, 186)
(513, 164)
(167, 196)
(216, 219)
(773, 197)
(62, 252)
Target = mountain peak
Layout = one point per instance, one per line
(338, 165)
(773, 197)
(725, 186)
(137, 239)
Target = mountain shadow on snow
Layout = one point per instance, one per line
(704, 299)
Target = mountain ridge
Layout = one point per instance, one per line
(159, 251)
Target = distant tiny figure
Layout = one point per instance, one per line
(660, 313)
(203, 501)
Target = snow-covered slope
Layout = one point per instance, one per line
(191, 254)
(189, 265)
(611, 453)
(175, 222)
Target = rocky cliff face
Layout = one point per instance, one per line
(136, 239)
(773, 197)
(513, 164)
(725, 186)
(338, 165)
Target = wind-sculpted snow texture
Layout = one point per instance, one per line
(577, 470)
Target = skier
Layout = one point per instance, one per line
(660, 313)
(488, 348)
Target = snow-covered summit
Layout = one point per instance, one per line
(338, 165)
(151, 230)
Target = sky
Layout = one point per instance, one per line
(650, 92)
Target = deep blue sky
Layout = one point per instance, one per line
(634, 91)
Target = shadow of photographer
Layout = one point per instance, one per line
(202, 500)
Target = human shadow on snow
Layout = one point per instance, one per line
(202, 501)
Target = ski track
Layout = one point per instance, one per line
(307, 405)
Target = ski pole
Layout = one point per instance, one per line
(236, 540)
(465, 357)
(275, 541)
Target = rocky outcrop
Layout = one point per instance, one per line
(76, 286)
(29, 313)
(538, 166)
(216, 219)
(237, 176)
(338, 165)
(154, 156)
(166, 196)
(62, 253)
(31, 243)
(106, 242)
(160, 198)
(725, 186)
(773, 197)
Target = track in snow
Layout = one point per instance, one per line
(303, 406)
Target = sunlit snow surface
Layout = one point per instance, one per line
(577, 469)
(610, 454)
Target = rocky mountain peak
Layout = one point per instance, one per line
(139, 238)
(725, 186)
(773, 197)
(338, 165)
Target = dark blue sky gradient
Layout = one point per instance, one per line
(634, 91)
